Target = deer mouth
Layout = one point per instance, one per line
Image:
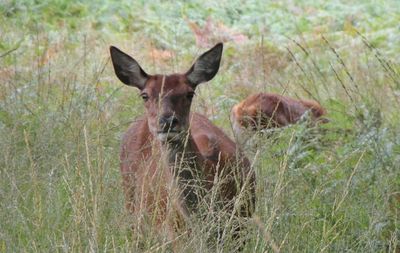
(168, 135)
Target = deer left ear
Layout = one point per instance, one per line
(127, 69)
(206, 66)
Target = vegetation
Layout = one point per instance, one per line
(331, 188)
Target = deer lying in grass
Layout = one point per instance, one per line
(268, 110)
(172, 158)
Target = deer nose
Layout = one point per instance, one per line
(168, 123)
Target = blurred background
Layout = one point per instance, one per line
(332, 188)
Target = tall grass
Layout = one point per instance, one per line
(331, 188)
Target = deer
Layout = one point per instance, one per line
(171, 158)
(271, 110)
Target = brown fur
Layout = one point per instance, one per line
(151, 159)
(211, 148)
(268, 110)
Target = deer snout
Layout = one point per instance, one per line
(168, 123)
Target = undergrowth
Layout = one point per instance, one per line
(331, 188)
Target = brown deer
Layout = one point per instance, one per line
(172, 158)
(269, 110)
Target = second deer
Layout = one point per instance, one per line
(269, 110)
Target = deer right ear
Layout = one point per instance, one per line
(206, 66)
(127, 69)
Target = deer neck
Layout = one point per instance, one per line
(184, 161)
(181, 152)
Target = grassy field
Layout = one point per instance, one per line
(335, 188)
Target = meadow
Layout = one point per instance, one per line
(329, 188)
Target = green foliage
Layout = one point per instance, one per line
(333, 187)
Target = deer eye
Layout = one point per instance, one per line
(144, 96)
(190, 95)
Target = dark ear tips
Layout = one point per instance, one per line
(113, 49)
(219, 46)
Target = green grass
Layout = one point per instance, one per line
(334, 188)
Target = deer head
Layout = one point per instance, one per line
(167, 98)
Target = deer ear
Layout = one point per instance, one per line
(127, 69)
(206, 66)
